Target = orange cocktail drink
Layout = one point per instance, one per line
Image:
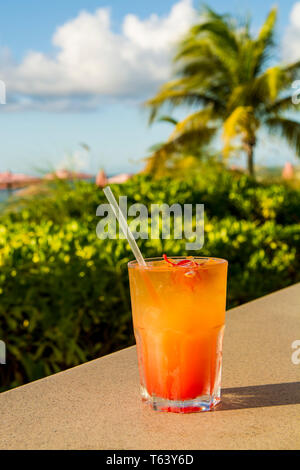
(178, 308)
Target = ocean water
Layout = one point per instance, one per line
(4, 195)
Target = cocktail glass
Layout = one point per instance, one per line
(178, 310)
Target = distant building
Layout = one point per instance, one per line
(121, 178)
(9, 180)
(101, 179)
(288, 171)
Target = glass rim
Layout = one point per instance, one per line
(134, 263)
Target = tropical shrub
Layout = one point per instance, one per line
(64, 294)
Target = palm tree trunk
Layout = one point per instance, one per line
(249, 148)
(250, 162)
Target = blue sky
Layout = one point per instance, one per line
(56, 98)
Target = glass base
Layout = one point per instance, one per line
(195, 405)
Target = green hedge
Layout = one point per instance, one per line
(64, 294)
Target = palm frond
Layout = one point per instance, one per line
(190, 139)
(292, 71)
(155, 147)
(282, 104)
(269, 86)
(265, 41)
(241, 123)
(286, 128)
(172, 98)
(156, 163)
(266, 33)
(214, 36)
(195, 122)
(177, 93)
(219, 27)
(167, 119)
(189, 135)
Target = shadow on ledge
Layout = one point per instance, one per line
(260, 395)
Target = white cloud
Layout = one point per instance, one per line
(92, 61)
(291, 40)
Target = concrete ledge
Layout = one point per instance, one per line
(97, 405)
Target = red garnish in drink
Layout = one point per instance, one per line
(186, 262)
(183, 262)
(168, 261)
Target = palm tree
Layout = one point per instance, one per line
(180, 150)
(225, 75)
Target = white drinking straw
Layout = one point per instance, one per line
(124, 227)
